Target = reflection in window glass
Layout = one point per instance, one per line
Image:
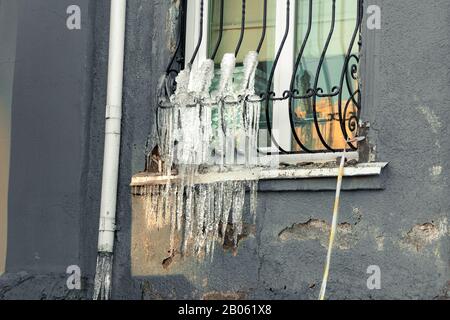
(327, 108)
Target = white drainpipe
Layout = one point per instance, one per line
(102, 288)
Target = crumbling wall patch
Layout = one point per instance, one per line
(319, 230)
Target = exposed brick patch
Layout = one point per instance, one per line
(319, 230)
(422, 235)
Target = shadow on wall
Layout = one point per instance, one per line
(8, 31)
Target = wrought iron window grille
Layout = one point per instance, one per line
(348, 121)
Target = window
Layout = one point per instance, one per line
(315, 79)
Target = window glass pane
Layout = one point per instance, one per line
(252, 35)
(232, 28)
(330, 74)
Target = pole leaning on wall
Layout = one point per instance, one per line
(103, 272)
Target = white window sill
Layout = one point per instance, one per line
(312, 171)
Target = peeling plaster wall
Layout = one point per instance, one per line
(402, 228)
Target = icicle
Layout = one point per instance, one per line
(196, 126)
(195, 117)
(200, 200)
(180, 204)
(148, 206)
(220, 113)
(166, 191)
(226, 207)
(173, 218)
(238, 208)
(209, 218)
(161, 206)
(253, 186)
(167, 118)
(184, 103)
(168, 121)
(218, 191)
(154, 205)
(188, 217)
(250, 109)
(102, 283)
(199, 86)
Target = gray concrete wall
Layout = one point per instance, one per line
(51, 97)
(56, 168)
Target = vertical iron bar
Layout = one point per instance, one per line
(294, 73)
(361, 14)
(241, 37)
(219, 39)
(344, 75)
(263, 35)
(316, 81)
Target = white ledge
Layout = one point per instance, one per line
(366, 169)
(362, 169)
